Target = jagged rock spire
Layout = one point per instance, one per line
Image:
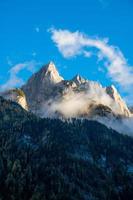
(78, 79)
(47, 85)
(51, 72)
(113, 93)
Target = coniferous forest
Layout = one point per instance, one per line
(51, 159)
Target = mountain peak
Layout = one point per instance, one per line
(50, 72)
(48, 86)
(50, 66)
(78, 79)
(113, 93)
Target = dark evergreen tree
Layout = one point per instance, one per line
(45, 159)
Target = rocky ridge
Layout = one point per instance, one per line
(16, 95)
(47, 94)
(47, 88)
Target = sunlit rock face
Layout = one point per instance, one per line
(113, 93)
(50, 73)
(78, 80)
(16, 95)
(41, 87)
(49, 95)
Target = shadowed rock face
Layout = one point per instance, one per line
(47, 94)
(46, 91)
(131, 109)
(42, 86)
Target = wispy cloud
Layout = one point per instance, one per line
(87, 54)
(14, 79)
(9, 61)
(34, 54)
(37, 29)
(75, 43)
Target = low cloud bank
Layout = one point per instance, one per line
(83, 104)
(124, 126)
(76, 104)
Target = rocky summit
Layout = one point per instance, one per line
(47, 94)
(69, 153)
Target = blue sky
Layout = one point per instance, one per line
(24, 35)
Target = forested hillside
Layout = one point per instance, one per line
(50, 159)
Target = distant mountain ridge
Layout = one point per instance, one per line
(47, 94)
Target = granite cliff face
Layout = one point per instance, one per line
(49, 95)
(16, 95)
(41, 87)
(113, 93)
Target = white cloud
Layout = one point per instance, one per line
(37, 29)
(78, 104)
(14, 80)
(75, 43)
(34, 53)
(9, 61)
(87, 54)
(100, 69)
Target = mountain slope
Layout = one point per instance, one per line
(113, 93)
(55, 160)
(49, 95)
(16, 95)
(41, 87)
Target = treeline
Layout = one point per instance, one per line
(45, 159)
